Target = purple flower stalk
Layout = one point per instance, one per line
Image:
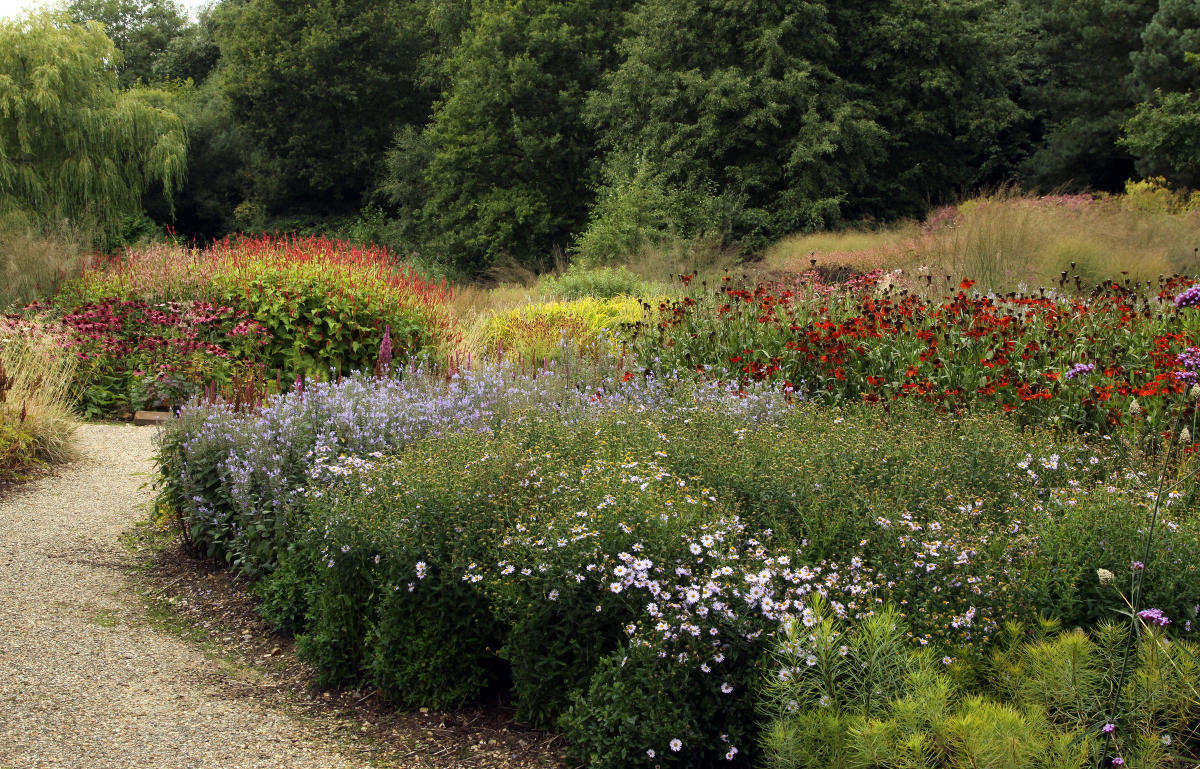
(1079, 369)
(385, 350)
(1154, 617)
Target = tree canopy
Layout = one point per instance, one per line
(480, 131)
(507, 151)
(323, 85)
(142, 30)
(72, 144)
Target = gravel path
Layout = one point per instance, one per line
(84, 681)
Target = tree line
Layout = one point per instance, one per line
(480, 131)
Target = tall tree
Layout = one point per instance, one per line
(142, 30)
(72, 144)
(507, 152)
(1171, 35)
(735, 99)
(942, 78)
(1164, 132)
(1080, 89)
(323, 85)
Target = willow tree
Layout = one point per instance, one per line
(72, 144)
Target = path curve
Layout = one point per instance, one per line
(84, 681)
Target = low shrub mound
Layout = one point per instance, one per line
(621, 553)
(164, 322)
(580, 282)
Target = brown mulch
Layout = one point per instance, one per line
(218, 607)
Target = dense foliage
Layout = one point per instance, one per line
(72, 144)
(843, 696)
(164, 322)
(479, 134)
(621, 550)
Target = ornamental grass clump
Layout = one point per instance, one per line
(36, 376)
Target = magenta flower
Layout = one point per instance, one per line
(1154, 617)
(385, 350)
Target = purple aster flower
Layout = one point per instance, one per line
(1190, 360)
(1189, 297)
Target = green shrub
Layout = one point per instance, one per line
(638, 704)
(1078, 531)
(163, 322)
(385, 600)
(580, 282)
(854, 695)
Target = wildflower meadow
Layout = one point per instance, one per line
(808, 519)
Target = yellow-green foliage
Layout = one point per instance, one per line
(539, 331)
(834, 698)
(35, 399)
(579, 282)
(1154, 196)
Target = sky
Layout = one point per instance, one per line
(13, 7)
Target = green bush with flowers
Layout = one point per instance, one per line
(588, 559)
(161, 323)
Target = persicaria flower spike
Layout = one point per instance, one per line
(385, 350)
